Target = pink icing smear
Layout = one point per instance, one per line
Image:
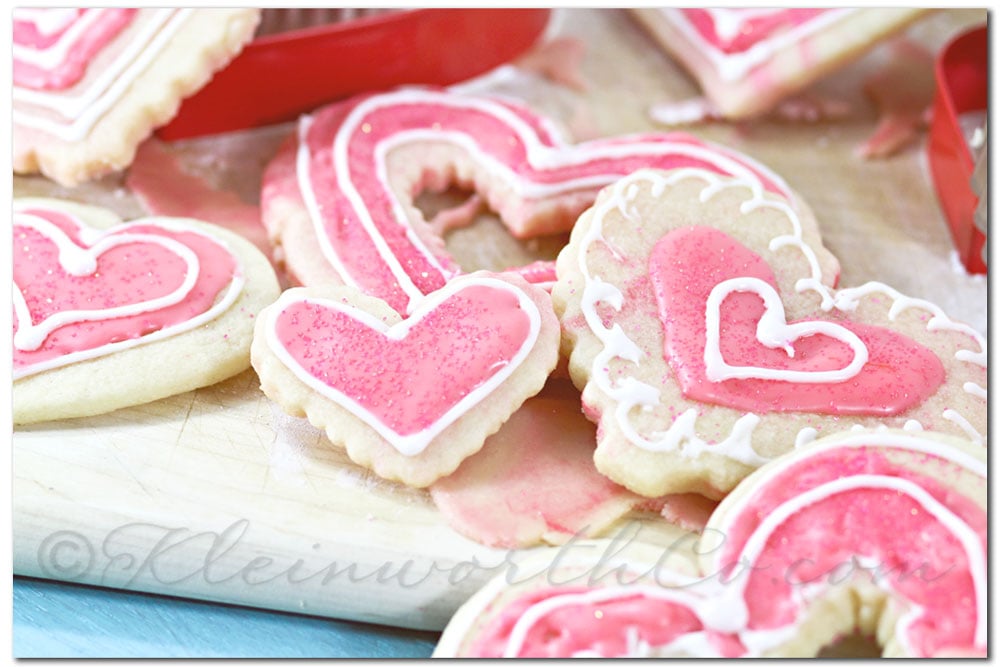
(533, 477)
(688, 263)
(158, 179)
(408, 379)
(901, 545)
(80, 48)
(754, 25)
(374, 252)
(128, 274)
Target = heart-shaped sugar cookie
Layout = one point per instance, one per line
(108, 315)
(707, 337)
(410, 397)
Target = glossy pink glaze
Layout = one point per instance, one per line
(757, 27)
(79, 55)
(534, 477)
(407, 383)
(126, 274)
(492, 138)
(688, 263)
(911, 552)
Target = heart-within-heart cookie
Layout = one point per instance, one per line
(409, 398)
(110, 314)
(702, 324)
(793, 560)
(338, 198)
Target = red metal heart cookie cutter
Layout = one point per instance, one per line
(278, 77)
(962, 76)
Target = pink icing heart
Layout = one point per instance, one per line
(82, 292)
(411, 379)
(729, 344)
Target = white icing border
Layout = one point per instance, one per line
(414, 443)
(773, 331)
(95, 236)
(630, 394)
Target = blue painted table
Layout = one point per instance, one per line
(58, 620)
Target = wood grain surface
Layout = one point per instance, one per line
(217, 495)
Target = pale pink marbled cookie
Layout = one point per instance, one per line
(534, 480)
(748, 59)
(91, 84)
(702, 325)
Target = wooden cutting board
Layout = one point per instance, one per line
(215, 494)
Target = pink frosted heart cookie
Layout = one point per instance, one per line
(409, 398)
(881, 533)
(91, 84)
(702, 324)
(747, 59)
(109, 314)
(338, 198)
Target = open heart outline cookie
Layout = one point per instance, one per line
(695, 374)
(98, 304)
(773, 577)
(339, 196)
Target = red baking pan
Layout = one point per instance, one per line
(278, 77)
(962, 74)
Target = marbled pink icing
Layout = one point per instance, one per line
(597, 628)
(688, 263)
(756, 25)
(361, 218)
(901, 545)
(840, 515)
(80, 50)
(125, 275)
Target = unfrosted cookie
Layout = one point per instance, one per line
(338, 197)
(91, 84)
(747, 59)
(409, 398)
(702, 325)
(878, 532)
(110, 314)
